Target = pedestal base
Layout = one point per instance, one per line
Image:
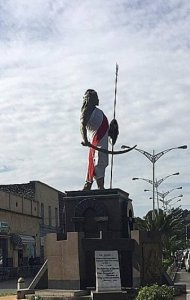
(112, 295)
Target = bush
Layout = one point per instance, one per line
(36, 298)
(155, 292)
(167, 262)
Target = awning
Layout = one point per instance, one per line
(27, 239)
(16, 240)
(19, 240)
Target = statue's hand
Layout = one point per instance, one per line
(85, 143)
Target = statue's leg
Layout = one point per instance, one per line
(87, 186)
(100, 183)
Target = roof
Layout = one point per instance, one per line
(24, 189)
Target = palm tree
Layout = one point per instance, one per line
(169, 224)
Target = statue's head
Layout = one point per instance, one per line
(91, 97)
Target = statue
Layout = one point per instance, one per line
(94, 123)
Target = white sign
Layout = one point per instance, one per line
(107, 271)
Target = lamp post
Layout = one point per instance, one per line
(158, 182)
(169, 200)
(163, 195)
(153, 159)
(172, 204)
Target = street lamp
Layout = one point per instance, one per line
(171, 199)
(174, 202)
(163, 195)
(158, 182)
(153, 159)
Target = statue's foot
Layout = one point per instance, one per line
(87, 186)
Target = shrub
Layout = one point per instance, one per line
(155, 292)
(36, 298)
(167, 262)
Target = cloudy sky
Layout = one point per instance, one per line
(51, 51)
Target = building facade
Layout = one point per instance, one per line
(27, 213)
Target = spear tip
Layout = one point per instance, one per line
(117, 67)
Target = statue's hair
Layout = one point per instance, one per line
(89, 99)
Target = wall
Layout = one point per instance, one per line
(49, 197)
(15, 203)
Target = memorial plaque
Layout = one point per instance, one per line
(107, 271)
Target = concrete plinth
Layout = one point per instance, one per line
(50, 294)
(112, 295)
(22, 293)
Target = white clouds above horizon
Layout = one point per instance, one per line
(52, 51)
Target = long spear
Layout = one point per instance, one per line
(114, 112)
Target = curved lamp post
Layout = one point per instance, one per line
(153, 159)
(158, 182)
(171, 199)
(172, 204)
(163, 195)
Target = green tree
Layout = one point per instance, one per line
(171, 226)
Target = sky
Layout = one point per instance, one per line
(52, 51)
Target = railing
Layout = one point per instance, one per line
(172, 271)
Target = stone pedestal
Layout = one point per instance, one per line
(63, 262)
(147, 258)
(112, 295)
(100, 220)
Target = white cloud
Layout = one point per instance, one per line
(52, 51)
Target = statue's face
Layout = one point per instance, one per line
(94, 99)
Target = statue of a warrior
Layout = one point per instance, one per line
(94, 131)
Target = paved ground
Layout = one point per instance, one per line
(183, 277)
(13, 297)
(10, 286)
(183, 297)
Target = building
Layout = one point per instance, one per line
(27, 213)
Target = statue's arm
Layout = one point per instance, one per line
(85, 116)
(84, 134)
(83, 130)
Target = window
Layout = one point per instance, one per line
(49, 214)
(56, 217)
(42, 212)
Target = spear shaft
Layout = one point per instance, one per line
(114, 112)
